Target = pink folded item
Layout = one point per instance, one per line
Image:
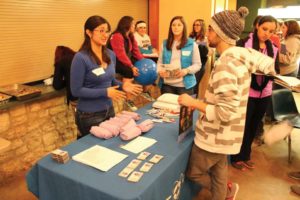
(120, 115)
(146, 125)
(115, 122)
(118, 121)
(134, 115)
(130, 133)
(124, 120)
(128, 126)
(101, 132)
(114, 129)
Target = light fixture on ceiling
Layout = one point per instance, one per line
(289, 12)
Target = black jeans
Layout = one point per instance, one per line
(176, 90)
(85, 120)
(256, 109)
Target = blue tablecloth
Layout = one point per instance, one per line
(75, 181)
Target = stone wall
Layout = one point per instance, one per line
(34, 129)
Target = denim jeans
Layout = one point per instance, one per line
(85, 120)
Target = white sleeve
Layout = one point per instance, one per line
(138, 39)
(159, 61)
(196, 61)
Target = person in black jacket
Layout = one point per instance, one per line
(62, 63)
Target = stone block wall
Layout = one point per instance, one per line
(34, 129)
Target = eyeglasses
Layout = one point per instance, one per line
(101, 31)
(197, 25)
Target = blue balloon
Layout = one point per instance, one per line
(147, 71)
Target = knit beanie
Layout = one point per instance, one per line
(229, 24)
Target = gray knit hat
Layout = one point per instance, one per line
(229, 24)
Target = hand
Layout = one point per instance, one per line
(272, 73)
(186, 100)
(135, 71)
(115, 94)
(131, 88)
(181, 73)
(163, 74)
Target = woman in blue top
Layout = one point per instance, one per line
(178, 61)
(93, 77)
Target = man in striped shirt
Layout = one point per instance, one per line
(220, 126)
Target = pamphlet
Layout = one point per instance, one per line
(185, 122)
(139, 144)
(99, 157)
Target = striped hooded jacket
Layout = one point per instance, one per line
(221, 129)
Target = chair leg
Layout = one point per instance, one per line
(289, 149)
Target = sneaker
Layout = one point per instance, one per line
(294, 175)
(232, 190)
(131, 105)
(147, 96)
(296, 189)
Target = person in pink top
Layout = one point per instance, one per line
(261, 88)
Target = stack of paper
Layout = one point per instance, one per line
(167, 101)
(289, 82)
(99, 157)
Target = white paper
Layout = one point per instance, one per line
(186, 53)
(139, 144)
(98, 71)
(169, 98)
(167, 106)
(99, 157)
(167, 101)
(289, 80)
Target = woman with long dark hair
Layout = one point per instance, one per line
(179, 60)
(125, 47)
(261, 88)
(93, 77)
(198, 32)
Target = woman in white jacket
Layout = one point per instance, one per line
(290, 49)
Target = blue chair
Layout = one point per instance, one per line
(284, 108)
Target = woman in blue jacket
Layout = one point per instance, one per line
(179, 60)
(93, 77)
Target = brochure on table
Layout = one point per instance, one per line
(139, 144)
(99, 157)
(185, 122)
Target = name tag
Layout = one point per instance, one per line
(99, 71)
(186, 53)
